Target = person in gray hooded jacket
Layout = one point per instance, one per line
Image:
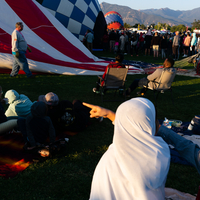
(19, 104)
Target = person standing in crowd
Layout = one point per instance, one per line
(187, 44)
(126, 42)
(90, 38)
(122, 41)
(147, 40)
(141, 41)
(19, 47)
(163, 46)
(105, 41)
(184, 50)
(112, 40)
(193, 43)
(134, 44)
(181, 43)
(155, 43)
(169, 45)
(198, 45)
(175, 46)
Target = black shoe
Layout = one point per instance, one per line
(32, 76)
(12, 76)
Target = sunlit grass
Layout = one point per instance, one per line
(68, 175)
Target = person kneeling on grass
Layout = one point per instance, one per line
(117, 64)
(66, 115)
(37, 127)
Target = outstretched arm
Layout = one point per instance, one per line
(97, 111)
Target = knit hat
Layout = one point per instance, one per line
(50, 99)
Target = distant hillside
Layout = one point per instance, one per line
(185, 16)
(152, 16)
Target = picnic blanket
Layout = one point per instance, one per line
(182, 130)
(13, 159)
(173, 194)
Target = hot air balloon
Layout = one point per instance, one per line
(114, 20)
(78, 16)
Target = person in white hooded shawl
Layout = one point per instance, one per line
(136, 164)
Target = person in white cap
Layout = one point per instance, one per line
(66, 115)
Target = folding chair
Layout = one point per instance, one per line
(162, 85)
(114, 80)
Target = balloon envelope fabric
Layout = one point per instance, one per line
(76, 15)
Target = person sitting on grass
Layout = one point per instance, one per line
(5, 125)
(152, 79)
(136, 164)
(3, 117)
(19, 104)
(117, 64)
(37, 127)
(135, 141)
(66, 115)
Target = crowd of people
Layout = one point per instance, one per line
(175, 45)
(41, 121)
(136, 164)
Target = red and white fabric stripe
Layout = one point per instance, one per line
(54, 48)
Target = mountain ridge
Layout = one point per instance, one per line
(153, 16)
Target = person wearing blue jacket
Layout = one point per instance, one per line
(19, 104)
(193, 43)
(90, 38)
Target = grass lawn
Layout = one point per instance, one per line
(68, 175)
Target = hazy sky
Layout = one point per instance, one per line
(157, 4)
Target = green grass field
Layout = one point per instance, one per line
(68, 175)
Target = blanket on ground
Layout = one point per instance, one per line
(175, 156)
(13, 159)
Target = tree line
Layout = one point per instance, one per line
(160, 26)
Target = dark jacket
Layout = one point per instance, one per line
(155, 40)
(3, 118)
(163, 43)
(69, 117)
(39, 126)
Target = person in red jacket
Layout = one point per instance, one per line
(117, 64)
